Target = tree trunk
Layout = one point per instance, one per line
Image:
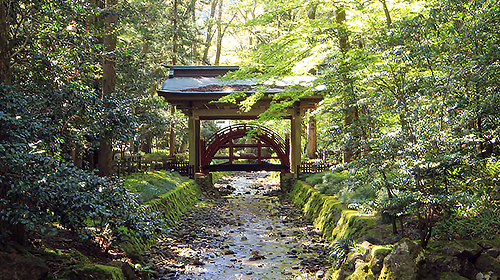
(351, 113)
(172, 132)
(175, 35)
(148, 143)
(194, 51)
(17, 231)
(340, 18)
(219, 34)
(311, 10)
(5, 75)
(208, 40)
(388, 19)
(108, 83)
(311, 138)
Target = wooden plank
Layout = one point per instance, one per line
(245, 167)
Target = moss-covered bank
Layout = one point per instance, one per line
(405, 260)
(174, 203)
(171, 205)
(329, 215)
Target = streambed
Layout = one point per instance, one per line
(251, 233)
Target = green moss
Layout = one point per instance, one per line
(48, 250)
(216, 176)
(486, 263)
(362, 273)
(451, 276)
(329, 215)
(174, 203)
(152, 184)
(77, 255)
(94, 272)
(133, 245)
(337, 274)
(490, 243)
(380, 252)
(171, 206)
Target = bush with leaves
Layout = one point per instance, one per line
(479, 219)
(41, 189)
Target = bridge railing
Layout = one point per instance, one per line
(275, 137)
(265, 136)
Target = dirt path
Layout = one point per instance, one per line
(248, 234)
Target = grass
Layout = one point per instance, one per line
(152, 184)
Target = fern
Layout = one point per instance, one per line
(340, 250)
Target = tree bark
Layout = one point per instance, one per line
(108, 83)
(5, 74)
(219, 34)
(148, 143)
(208, 40)
(311, 10)
(194, 51)
(340, 18)
(17, 231)
(175, 35)
(350, 108)
(311, 138)
(172, 132)
(388, 19)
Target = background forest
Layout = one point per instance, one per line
(410, 120)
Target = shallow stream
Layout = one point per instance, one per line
(248, 234)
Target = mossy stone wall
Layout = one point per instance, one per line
(172, 205)
(329, 215)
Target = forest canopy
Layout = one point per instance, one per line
(410, 119)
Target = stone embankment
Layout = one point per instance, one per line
(390, 260)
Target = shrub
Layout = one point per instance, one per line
(483, 222)
(332, 183)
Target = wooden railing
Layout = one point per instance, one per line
(182, 167)
(135, 163)
(312, 167)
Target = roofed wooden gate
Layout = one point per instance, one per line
(196, 89)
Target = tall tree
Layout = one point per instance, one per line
(219, 33)
(5, 75)
(175, 35)
(209, 35)
(108, 83)
(17, 230)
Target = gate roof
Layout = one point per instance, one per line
(196, 87)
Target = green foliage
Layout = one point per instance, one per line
(313, 179)
(43, 189)
(339, 250)
(481, 221)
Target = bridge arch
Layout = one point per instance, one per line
(225, 138)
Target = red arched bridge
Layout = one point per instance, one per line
(244, 148)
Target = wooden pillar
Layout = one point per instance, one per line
(231, 151)
(197, 143)
(296, 131)
(194, 140)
